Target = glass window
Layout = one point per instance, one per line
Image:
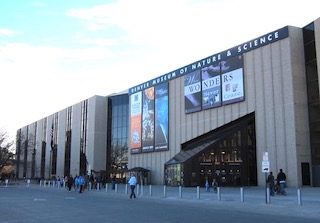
(308, 33)
(310, 51)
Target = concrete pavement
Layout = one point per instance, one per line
(300, 202)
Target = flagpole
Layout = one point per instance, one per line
(51, 150)
(50, 164)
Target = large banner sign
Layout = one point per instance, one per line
(192, 91)
(135, 122)
(148, 120)
(161, 117)
(219, 84)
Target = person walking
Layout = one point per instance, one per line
(81, 183)
(214, 185)
(270, 182)
(70, 182)
(132, 182)
(281, 179)
(207, 185)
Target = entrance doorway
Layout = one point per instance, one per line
(227, 154)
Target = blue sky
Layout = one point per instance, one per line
(56, 53)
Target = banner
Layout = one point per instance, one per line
(135, 122)
(148, 120)
(161, 117)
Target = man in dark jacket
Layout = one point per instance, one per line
(281, 179)
(70, 182)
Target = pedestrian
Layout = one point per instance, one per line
(70, 182)
(214, 185)
(207, 185)
(281, 179)
(81, 183)
(270, 183)
(76, 183)
(132, 182)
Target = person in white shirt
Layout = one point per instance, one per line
(132, 182)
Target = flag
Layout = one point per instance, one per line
(51, 134)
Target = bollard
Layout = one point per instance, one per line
(138, 189)
(150, 190)
(164, 191)
(219, 194)
(44, 183)
(126, 189)
(98, 186)
(141, 190)
(198, 192)
(106, 187)
(241, 194)
(299, 197)
(180, 192)
(268, 195)
(6, 181)
(40, 182)
(116, 188)
(28, 183)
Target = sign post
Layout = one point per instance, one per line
(265, 170)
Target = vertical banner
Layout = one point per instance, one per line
(148, 120)
(211, 86)
(192, 91)
(161, 117)
(232, 80)
(135, 122)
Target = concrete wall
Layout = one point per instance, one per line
(97, 133)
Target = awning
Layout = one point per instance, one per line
(184, 155)
(138, 169)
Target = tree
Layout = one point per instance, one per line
(7, 156)
(119, 156)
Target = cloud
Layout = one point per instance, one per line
(9, 32)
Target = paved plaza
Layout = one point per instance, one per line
(34, 203)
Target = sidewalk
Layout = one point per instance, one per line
(253, 199)
(247, 199)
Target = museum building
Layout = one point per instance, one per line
(233, 117)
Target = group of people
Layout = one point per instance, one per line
(278, 185)
(79, 182)
(214, 185)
